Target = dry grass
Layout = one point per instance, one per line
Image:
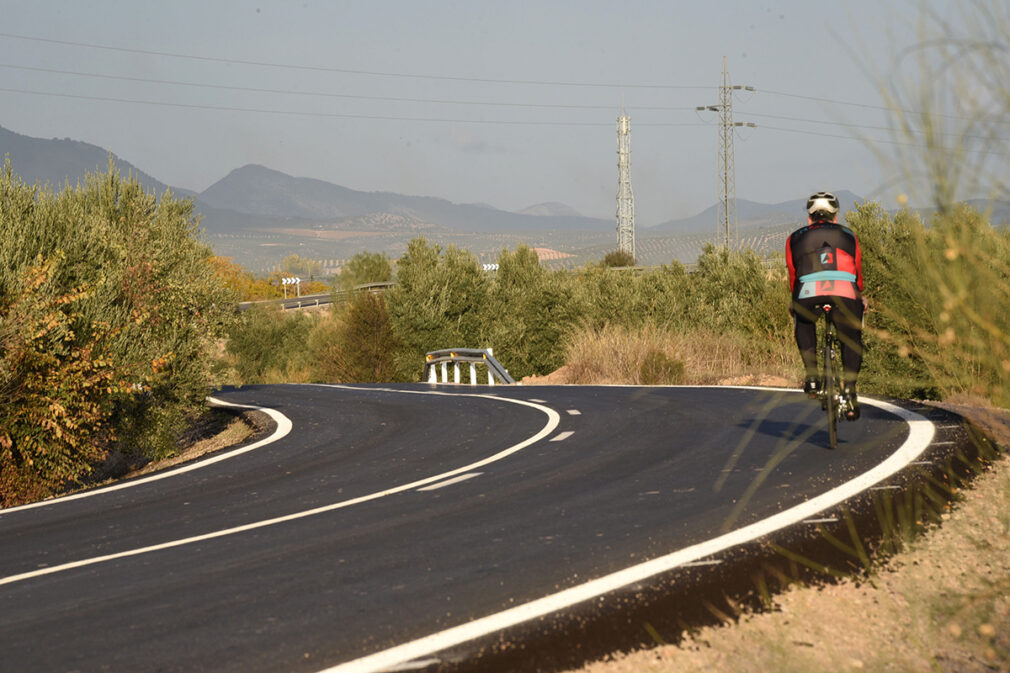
(618, 355)
(943, 604)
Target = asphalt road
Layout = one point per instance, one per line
(388, 515)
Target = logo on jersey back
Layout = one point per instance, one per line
(827, 258)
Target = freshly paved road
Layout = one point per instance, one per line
(370, 556)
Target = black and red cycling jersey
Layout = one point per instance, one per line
(824, 259)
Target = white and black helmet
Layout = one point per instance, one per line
(822, 206)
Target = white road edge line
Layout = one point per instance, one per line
(450, 482)
(413, 665)
(283, 428)
(553, 419)
(920, 434)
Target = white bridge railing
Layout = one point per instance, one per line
(436, 361)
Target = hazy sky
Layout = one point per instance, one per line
(505, 103)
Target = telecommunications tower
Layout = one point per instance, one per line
(727, 167)
(625, 198)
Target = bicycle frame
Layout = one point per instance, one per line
(831, 374)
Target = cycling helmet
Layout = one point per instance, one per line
(822, 206)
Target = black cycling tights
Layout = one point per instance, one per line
(848, 317)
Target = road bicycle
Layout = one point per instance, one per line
(830, 392)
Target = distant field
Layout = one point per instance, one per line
(261, 251)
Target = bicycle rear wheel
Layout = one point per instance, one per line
(831, 383)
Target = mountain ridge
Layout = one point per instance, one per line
(257, 198)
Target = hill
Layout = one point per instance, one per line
(57, 161)
(257, 190)
(258, 215)
(750, 214)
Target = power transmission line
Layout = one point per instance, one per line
(487, 122)
(346, 71)
(312, 68)
(334, 115)
(437, 101)
(820, 134)
(326, 94)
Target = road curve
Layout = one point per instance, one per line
(394, 523)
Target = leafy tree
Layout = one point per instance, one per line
(365, 267)
(268, 345)
(610, 297)
(300, 266)
(435, 302)
(245, 285)
(358, 345)
(528, 311)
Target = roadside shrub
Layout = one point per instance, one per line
(618, 258)
(528, 312)
(938, 322)
(737, 291)
(268, 345)
(362, 268)
(356, 344)
(134, 291)
(435, 303)
(611, 297)
(54, 391)
(658, 368)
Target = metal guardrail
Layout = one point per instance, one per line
(315, 299)
(473, 356)
(291, 302)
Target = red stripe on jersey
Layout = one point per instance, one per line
(846, 262)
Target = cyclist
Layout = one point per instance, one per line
(825, 267)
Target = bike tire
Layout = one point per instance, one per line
(830, 384)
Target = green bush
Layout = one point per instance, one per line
(363, 268)
(658, 368)
(436, 303)
(938, 295)
(356, 345)
(268, 345)
(528, 312)
(618, 258)
(133, 288)
(54, 393)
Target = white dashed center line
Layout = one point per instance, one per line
(450, 482)
(562, 436)
(574, 412)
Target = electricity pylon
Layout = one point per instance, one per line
(625, 197)
(727, 161)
